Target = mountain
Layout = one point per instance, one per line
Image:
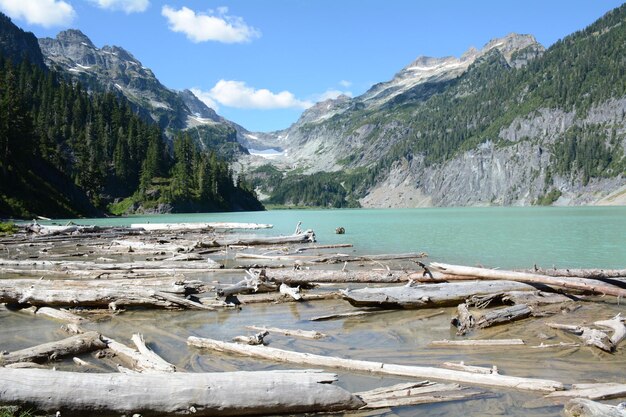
(66, 151)
(509, 124)
(114, 69)
(17, 45)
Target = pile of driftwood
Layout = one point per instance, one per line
(71, 272)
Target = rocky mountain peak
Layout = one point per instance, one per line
(74, 36)
(513, 46)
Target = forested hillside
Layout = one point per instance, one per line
(510, 129)
(65, 152)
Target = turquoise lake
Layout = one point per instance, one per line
(506, 237)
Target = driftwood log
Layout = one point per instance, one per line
(504, 315)
(74, 345)
(580, 273)
(429, 295)
(421, 372)
(298, 277)
(176, 227)
(601, 391)
(199, 394)
(423, 392)
(468, 272)
(98, 293)
(464, 321)
(591, 337)
(581, 407)
(306, 237)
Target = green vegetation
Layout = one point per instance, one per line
(66, 152)
(7, 228)
(549, 198)
(10, 411)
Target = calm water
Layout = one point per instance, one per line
(511, 237)
(504, 237)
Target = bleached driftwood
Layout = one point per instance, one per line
(290, 291)
(98, 293)
(299, 277)
(307, 334)
(591, 337)
(174, 227)
(87, 266)
(281, 355)
(55, 313)
(318, 247)
(25, 365)
(308, 236)
(74, 345)
(581, 407)
(138, 361)
(601, 391)
(470, 368)
(429, 295)
(463, 321)
(504, 315)
(423, 392)
(497, 274)
(256, 339)
(618, 327)
(364, 258)
(580, 273)
(478, 342)
(255, 282)
(276, 297)
(199, 394)
(150, 355)
(560, 345)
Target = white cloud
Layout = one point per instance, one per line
(205, 97)
(211, 26)
(128, 6)
(345, 83)
(331, 94)
(46, 13)
(239, 95)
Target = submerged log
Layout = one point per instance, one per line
(281, 355)
(478, 342)
(504, 315)
(423, 392)
(602, 391)
(200, 394)
(74, 345)
(581, 407)
(469, 272)
(307, 334)
(429, 295)
(591, 337)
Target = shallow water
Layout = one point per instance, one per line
(511, 237)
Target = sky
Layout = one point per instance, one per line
(260, 63)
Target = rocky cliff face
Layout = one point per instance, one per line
(518, 173)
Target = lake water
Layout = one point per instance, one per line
(506, 237)
(502, 237)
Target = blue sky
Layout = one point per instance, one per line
(261, 62)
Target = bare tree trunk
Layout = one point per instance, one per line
(201, 394)
(74, 345)
(465, 272)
